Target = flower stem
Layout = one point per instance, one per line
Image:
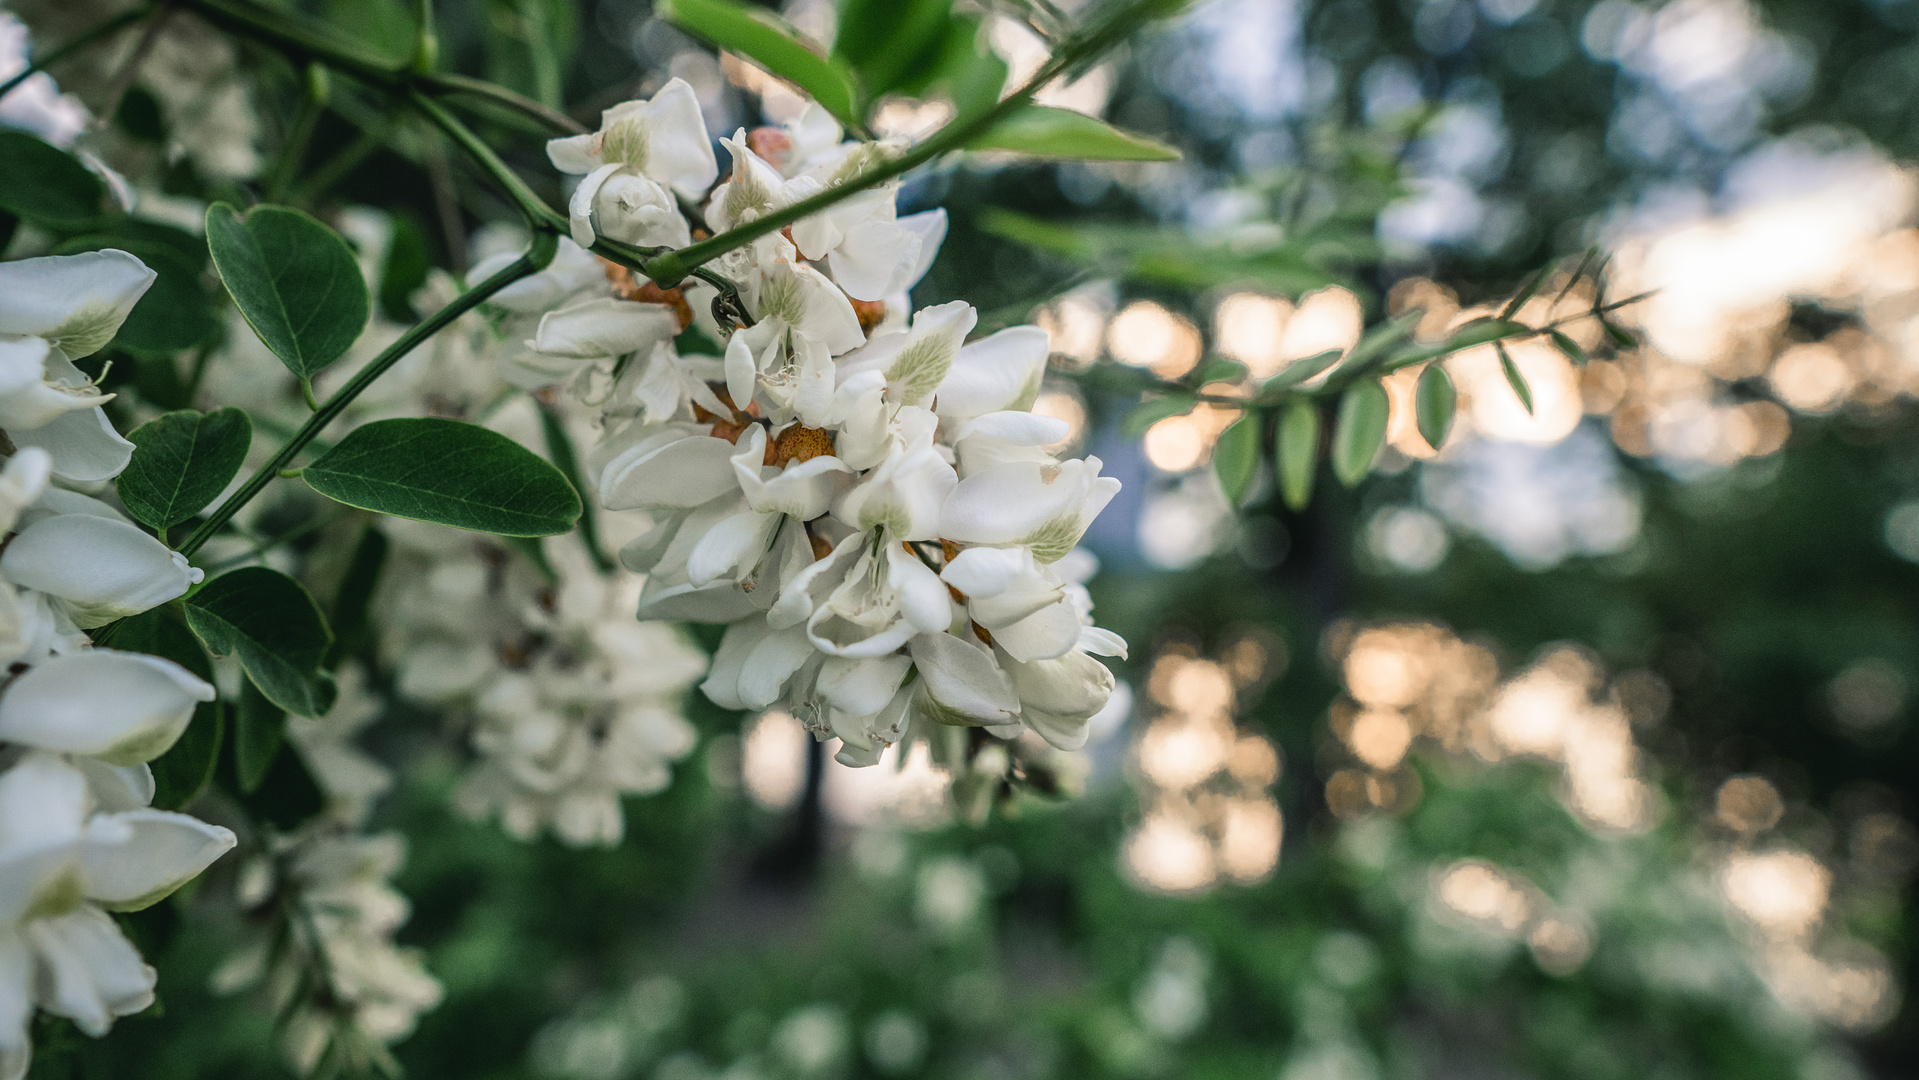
(535, 260)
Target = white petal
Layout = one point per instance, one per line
(1057, 697)
(875, 260)
(924, 601)
(605, 327)
(862, 687)
(122, 707)
(1101, 641)
(43, 804)
(1002, 371)
(116, 787)
(21, 484)
(579, 209)
(636, 210)
(679, 152)
(720, 602)
(1044, 506)
(960, 683)
(574, 153)
(75, 301)
(802, 593)
(91, 972)
(803, 490)
(155, 854)
(733, 548)
(983, 572)
(672, 470)
(930, 227)
(105, 569)
(1049, 632)
(83, 444)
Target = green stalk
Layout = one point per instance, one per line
(536, 259)
(539, 216)
(104, 30)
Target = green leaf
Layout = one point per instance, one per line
(45, 185)
(1513, 378)
(270, 622)
(1147, 413)
(1290, 265)
(348, 616)
(1043, 131)
(1433, 404)
(449, 473)
(1359, 431)
(175, 313)
(889, 42)
(1236, 457)
(182, 772)
(1297, 372)
(1477, 332)
(1570, 347)
(1377, 341)
(1216, 371)
(259, 729)
(294, 279)
(181, 462)
(761, 36)
(1621, 337)
(1296, 451)
(1525, 292)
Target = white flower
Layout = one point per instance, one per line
(1059, 695)
(996, 373)
(1044, 506)
(643, 153)
(60, 863)
(916, 363)
(99, 566)
(53, 311)
(124, 708)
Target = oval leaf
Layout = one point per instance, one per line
(1513, 378)
(1148, 413)
(1570, 347)
(294, 279)
(45, 185)
(1298, 372)
(1359, 431)
(449, 473)
(1236, 457)
(259, 727)
(1296, 451)
(757, 34)
(270, 622)
(181, 462)
(1043, 131)
(1433, 403)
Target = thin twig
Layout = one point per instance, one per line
(97, 34)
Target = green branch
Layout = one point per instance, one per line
(535, 260)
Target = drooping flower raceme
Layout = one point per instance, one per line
(864, 497)
(78, 835)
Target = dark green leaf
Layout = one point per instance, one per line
(1296, 451)
(181, 462)
(270, 622)
(761, 36)
(287, 794)
(407, 262)
(1298, 372)
(1236, 457)
(1513, 378)
(1359, 431)
(1434, 402)
(182, 773)
(1148, 413)
(159, 632)
(694, 342)
(294, 279)
(1570, 347)
(1378, 341)
(348, 616)
(1478, 332)
(259, 728)
(46, 186)
(447, 472)
(1043, 131)
(1621, 337)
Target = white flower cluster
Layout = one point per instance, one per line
(78, 835)
(324, 956)
(875, 515)
(573, 704)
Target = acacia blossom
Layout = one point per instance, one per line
(861, 495)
